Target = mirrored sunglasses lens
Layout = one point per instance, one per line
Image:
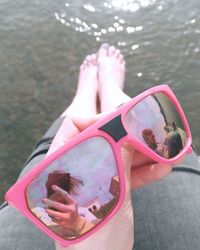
(156, 123)
(76, 191)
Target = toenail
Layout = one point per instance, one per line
(104, 46)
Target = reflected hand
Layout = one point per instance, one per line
(66, 213)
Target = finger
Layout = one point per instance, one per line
(56, 205)
(180, 161)
(66, 132)
(67, 197)
(58, 215)
(55, 220)
(147, 174)
(140, 159)
(60, 222)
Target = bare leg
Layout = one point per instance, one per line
(84, 102)
(111, 75)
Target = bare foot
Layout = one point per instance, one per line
(111, 75)
(88, 75)
(84, 102)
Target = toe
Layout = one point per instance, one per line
(82, 67)
(85, 63)
(121, 57)
(88, 59)
(117, 53)
(103, 50)
(111, 51)
(93, 59)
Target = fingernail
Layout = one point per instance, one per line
(54, 187)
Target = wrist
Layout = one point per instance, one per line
(82, 225)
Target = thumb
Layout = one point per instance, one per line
(148, 173)
(127, 157)
(84, 122)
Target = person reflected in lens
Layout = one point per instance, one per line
(150, 140)
(181, 132)
(69, 219)
(173, 140)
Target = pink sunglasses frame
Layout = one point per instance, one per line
(16, 197)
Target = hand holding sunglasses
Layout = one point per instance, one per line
(153, 123)
(124, 217)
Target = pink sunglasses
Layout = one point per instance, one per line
(72, 193)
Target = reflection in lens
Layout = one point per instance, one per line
(156, 123)
(76, 191)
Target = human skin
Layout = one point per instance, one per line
(103, 74)
(65, 211)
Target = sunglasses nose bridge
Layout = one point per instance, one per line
(115, 129)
